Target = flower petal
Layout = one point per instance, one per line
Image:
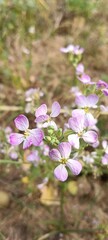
(90, 137)
(55, 109)
(33, 156)
(61, 173)
(16, 138)
(42, 118)
(37, 136)
(76, 123)
(75, 166)
(65, 149)
(42, 110)
(81, 101)
(101, 84)
(85, 78)
(105, 159)
(50, 124)
(92, 100)
(55, 154)
(21, 122)
(80, 69)
(27, 142)
(105, 91)
(74, 140)
(104, 144)
(90, 121)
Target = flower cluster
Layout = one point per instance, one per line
(76, 145)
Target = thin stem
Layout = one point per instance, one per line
(10, 108)
(61, 207)
(7, 161)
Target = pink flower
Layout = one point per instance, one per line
(29, 137)
(34, 157)
(76, 50)
(80, 69)
(105, 146)
(62, 156)
(103, 86)
(42, 116)
(84, 78)
(105, 159)
(89, 101)
(81, 124)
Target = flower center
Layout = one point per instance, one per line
(86, 109)
(63, 161)
(27, 133)
(80, 134)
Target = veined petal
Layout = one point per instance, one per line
(85, 78)
(102, 84)
(81, 101)
(77, 123)
(42, 118)
(55, 154)
(90, 121)
(61, 173)
(55, 109)
(105, 159)
(16, 138)
(65, 149)
(75, 166)
(27, 142)
(78, 113)
(74, 140)
(105, 91)
(92, 100)
(42, 110)
(90, 137)
(21, 122)
(37, 136)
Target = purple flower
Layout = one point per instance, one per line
(76, 50)
(13, 153)
(32, 93)
(90, 121)
(8, 130)
(85, 79)
(105, 146)
(103, 86)
(29, 137)
(33, 157)
(87, 102)
(42, 116)
(105, 91)
(105, 159)
(75, 91)
(80, 69)
(80, 123)
(62, 155)
(69, 48)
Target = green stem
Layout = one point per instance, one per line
(61, 207)
(7, 161)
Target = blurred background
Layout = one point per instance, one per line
(31, 35)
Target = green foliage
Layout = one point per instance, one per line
(83, 7)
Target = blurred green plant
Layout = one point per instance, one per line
(83, 7)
